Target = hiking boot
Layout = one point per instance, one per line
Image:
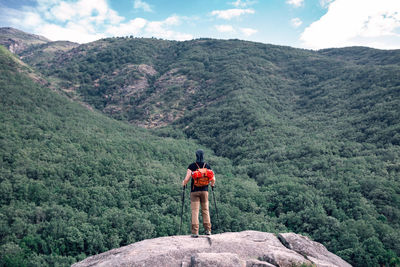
(194, 235)
(208, 232)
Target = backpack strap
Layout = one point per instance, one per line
(198, 167)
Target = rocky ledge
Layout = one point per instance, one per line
(248, 248)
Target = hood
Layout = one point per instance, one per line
(200, 155)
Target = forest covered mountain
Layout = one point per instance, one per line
(304, 141)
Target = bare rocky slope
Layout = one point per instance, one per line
(247, 248)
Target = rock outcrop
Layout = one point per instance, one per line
(248, 248)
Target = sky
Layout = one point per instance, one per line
(309, 24)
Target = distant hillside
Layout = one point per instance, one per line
(42, 54)
(314, 136)
(34, 49)
(17, 41)
(364, 55)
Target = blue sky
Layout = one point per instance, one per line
(311, 24)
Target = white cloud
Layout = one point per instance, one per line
(61, 12)
(296, 22)
(239, 3)
(139, 4)
(225, 28)
(296, 3)
(161, 29)
(84, 21)
(114, 17)
(80, 21)
(132, 27)
(73, 32)
(231, 13)
(325, 3)
(64, 11)
(172, 20)
(97, 10)
(30, 18)
(356, 22)
(13, 18)
(243, 3)
(248, 31)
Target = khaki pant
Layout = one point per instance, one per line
(197, 199)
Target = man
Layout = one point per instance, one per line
(199, 195)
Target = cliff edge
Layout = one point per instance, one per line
(247, 248)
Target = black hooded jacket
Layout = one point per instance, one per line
(193, 167)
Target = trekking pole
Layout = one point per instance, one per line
(183, 202)
(215, 204)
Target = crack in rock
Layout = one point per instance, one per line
(312, 251)
(283, 241)
(209, 240)
(288, 246)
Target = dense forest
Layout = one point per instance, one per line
(76, 183)
(302, 141)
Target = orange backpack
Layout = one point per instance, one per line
(202, 176)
